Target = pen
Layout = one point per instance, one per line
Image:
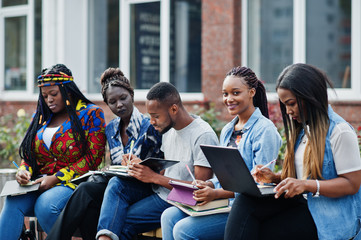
(274, 160)
(130, 151)
(190, 173)
(15, 164)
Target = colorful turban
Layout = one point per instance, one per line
(54, 79)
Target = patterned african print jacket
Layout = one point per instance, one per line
(63, 159)
(147, 140)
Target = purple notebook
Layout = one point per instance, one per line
(182, 193)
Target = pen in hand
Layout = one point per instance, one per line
(263, 167)
(29, 182)
(130, 151)
(190, 173)
(15, 165)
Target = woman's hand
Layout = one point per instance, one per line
(23, 176)
(202, 184)
(264, 176)
(291, 187)
(133, 159)
(47, 182)
(205, 194)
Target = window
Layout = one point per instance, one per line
(103, 40)
(7, 3)
(20, 41)
(269, 38)
(323, 33)
(328, 39)
(185, 45)
(150, 40)
(144, 44)
(15, 52)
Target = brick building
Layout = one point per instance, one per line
(191, 43)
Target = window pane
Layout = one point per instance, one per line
(328, 39)
(7, 3)
(270, 38)
(37, 42)
(15, 52)
(185, 45)
(144, 44)
(103, 39)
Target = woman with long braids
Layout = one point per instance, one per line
(83, 208)
(66, 139)
(251, 132)
(318, 191)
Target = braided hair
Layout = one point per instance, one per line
(250, 78)
(114, 77)
(50, 76)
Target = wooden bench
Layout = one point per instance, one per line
(154, 234)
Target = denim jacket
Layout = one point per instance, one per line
(147, 140)
(259, 144)
(335, 218)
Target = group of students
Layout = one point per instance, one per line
(317, 193)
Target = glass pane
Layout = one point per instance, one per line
(103, 39)
(185, 45)
(328, 39)
(270, 38)
(144, 44)
(7, 3)
(37, 42)
(15, 52)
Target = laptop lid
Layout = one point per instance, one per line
(232, 172)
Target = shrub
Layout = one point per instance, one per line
(210, 115)
(12, 132)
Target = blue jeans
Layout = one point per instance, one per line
(46, 206)
(129, 207)
(178, 225)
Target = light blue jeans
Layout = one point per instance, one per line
(46, 206)
(178, 225)
(129, 207)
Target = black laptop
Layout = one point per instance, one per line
(232, 172)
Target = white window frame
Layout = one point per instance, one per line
(124, 49)
(299, 48)
(26, 10)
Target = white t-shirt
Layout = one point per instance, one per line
(183, 145)
(48, 135)
(345, 150)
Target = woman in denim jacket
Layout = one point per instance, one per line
(251, 132)
(322, 162)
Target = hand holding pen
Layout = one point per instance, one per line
(22, 176)
(126, 160)
(262, 174)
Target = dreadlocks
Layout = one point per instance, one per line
(260, 98)
(59, 75)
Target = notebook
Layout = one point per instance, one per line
(194, 213)
(182, 193)
(156, 164)
(13, 188)
(232, 172)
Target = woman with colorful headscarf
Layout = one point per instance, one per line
(65, 139)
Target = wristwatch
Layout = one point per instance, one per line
(317, 193)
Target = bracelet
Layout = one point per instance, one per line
(317, 193)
